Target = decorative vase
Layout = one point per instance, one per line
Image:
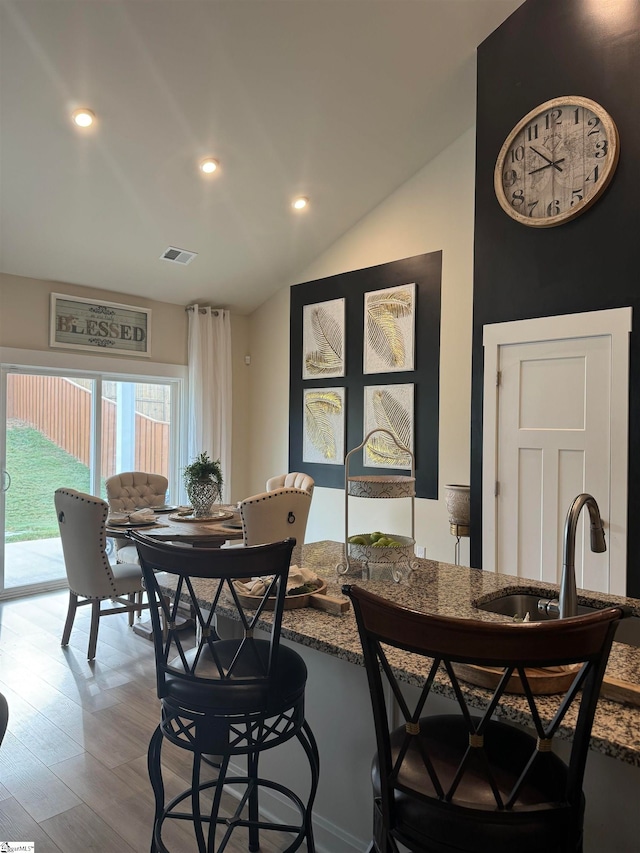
(202, 496)
(457, 500)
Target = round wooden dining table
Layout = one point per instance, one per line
(174, 527)
(177, 527)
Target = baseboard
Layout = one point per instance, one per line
(328, 837)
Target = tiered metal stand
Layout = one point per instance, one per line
(458, 530)
(374, 560)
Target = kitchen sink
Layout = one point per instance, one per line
(518, 604)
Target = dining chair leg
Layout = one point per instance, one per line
(93, 632)
(71, 615)
(132, 601)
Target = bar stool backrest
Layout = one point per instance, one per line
(203, 579)
(475, 781)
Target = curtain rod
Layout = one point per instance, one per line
(214, 311)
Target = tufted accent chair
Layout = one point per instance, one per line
(276, 515)
(82, 523)
(292, 480)
(128, 492)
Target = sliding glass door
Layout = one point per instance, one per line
(64, 430)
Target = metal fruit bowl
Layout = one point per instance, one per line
(383, 553)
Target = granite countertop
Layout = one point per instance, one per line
(450, 590)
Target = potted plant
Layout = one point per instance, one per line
(203, 482)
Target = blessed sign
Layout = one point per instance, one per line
(92, 324)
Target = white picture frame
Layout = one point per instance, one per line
(388, 339)
(324, 425)
(389, 407)
(323, 339)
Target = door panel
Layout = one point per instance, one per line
(568, 396)
(553, 443)
(136, 428)
(48, 445)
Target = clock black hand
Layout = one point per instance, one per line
(548, 165)
(540, 154)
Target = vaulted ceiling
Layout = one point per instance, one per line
(340, 101)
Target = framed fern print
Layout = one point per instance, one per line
(388, 407)
(324, 414)
(367, 340)
(389, 329)
(323, 340)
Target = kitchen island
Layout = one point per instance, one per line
(339, 712)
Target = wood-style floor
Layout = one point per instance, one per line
(73, 774)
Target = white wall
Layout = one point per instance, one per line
(433, 211)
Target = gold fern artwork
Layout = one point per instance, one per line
(323, 439)
(389, 329)
(323, 339)
(388, 407)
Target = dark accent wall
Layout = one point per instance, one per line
(426, 272)
(547, 49)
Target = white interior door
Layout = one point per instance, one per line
(558, 430)
(554, 443)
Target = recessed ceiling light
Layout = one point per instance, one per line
(209, 165)
(83, 117)
(300, 203)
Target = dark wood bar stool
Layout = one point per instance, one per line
(226, 700)
(467, 781)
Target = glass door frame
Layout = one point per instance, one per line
(103, 369)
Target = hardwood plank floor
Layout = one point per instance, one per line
(73, 774)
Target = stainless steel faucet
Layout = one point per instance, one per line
(568, 599)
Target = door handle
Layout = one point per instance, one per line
(6, 480)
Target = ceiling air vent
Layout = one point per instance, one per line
(178, 256)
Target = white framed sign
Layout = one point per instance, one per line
(92, 324)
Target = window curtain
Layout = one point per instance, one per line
(209, 413)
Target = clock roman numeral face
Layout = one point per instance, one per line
(556, 162)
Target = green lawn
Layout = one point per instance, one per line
(38, 467)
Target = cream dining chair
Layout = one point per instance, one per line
(292, 480)
(82, 522)
(131, 491)
(275, 515)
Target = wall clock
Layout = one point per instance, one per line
(556, 162)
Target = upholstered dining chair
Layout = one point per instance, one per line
(274, 515)
(131, 491)
(292, 480)
(466, 781)
(232, 698)
(91, 577)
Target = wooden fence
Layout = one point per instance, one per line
(61, 409)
